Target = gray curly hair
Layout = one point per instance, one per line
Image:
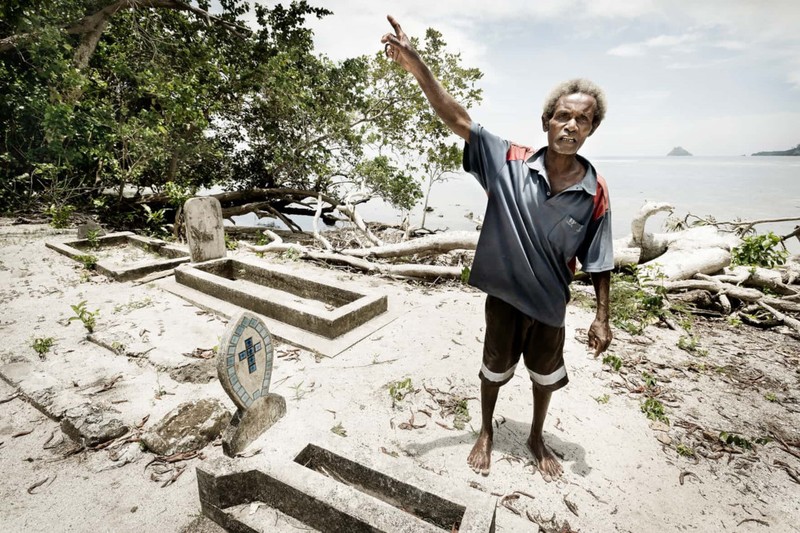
(577, 85)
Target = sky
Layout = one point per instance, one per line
(718, 77)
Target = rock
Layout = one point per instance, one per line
(663, 438)
(188, 427)
(656, 425)
(92, 424)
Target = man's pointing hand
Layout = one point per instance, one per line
(397, 46)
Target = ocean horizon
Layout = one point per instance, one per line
(724, 187)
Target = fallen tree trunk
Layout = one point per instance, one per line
(439, 243)
(425, 272)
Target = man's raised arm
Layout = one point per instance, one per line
(398, 48)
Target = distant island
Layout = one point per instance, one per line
(679, 150)
(790, 151)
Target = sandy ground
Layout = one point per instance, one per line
(623, 472)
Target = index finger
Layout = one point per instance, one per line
(396, 25)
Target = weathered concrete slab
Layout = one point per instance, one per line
(172, 255)
(204, 229)
(320, 308)
(286, 332)
(337, 491)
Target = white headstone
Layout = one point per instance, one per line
(204, 229)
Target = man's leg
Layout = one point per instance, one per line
(548, 464)
(544, 358)
(502, 346)
(480, 458)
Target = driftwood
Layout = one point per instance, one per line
(675, 255)
(426, 272)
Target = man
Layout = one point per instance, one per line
(545, 209)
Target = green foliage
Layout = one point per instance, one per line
(42, 345)
(684, 451)
(400, 389)
(654, 410)
(465, 275)
(461, 412)
(155, 220)
(231, 244)
(634, 305)
(690, 343)
(612, 361)
(770, 397)
(740, 441)
(291, 254)
(760, 250)
(177, 194)
(60, 214)
(604, 399)
(87, 318)
(92, 238)
(649, 380)
(89, 261)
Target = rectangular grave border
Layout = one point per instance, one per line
(218, 277)
(174, 255)
(365, 497)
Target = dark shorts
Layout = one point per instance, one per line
(509, 334)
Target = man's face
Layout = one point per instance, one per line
(570, 124)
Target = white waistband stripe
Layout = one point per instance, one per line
(494, 376)
(549, 379)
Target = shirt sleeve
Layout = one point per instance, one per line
(484, 154)
(596, 253)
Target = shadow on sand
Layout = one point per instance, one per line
(509, 439)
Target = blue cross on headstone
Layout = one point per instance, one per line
(250, 353)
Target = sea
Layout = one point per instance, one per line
(725, 188)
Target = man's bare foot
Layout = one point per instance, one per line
(480, 458)
(548, 464)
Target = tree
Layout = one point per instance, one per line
(150, 95)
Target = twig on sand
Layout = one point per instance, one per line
(756, 520)
(687, 473)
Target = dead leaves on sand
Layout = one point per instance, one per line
(165, 468)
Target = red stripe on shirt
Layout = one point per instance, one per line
(517, 152)
(601, 203)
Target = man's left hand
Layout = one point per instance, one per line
(599, 336)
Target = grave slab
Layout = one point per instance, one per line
(330, 489)
(204, 229)
(172, 255)
(308, 313)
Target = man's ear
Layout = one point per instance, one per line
(545, 123)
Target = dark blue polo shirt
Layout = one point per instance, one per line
(530, 239)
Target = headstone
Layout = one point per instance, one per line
(204, 229)
(244, 366)
(90, 227)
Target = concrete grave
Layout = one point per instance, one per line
(244, 366)
(145, 255)
(306, 312)
(329, 491)
(204, 229)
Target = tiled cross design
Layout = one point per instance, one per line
(250, 353)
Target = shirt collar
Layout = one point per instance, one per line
(588, 183)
